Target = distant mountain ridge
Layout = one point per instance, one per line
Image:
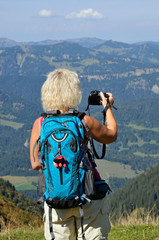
(85, 42)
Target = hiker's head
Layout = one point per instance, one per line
(61, 90)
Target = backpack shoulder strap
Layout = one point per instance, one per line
(71, 112)
(35, 144)
(80, 115)
(50, 114)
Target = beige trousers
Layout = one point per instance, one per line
(67, 222)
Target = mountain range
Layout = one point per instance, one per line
(85, 42)
(129, 71)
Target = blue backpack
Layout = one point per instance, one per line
(63, 152)
(66, 179)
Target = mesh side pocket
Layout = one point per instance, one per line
(89, 185)
(41, 188)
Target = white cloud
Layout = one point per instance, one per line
(45, 13)
(155, 89)
(86, 13)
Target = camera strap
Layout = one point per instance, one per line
(92, 101)
(103, 145)
(91, 140)
(95, 152)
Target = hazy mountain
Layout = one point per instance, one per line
(85, 42)
(128, 71)
(5, 42)
(145, 52)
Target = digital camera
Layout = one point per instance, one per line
(95, 98)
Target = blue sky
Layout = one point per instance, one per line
(118, 20)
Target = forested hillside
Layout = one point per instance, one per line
(16, 119)
(140, 193)
(138, 134)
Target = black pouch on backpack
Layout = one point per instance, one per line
(101, 189)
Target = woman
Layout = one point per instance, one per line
(61, 91)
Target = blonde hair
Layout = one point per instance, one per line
(61, 90)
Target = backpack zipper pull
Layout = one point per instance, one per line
(60, 162)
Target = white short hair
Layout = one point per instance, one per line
(61, 91)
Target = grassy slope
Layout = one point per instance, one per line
(13, 217)
(143, 232)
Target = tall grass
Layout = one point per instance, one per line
(139, 225)
(139, 216)
(23, 234)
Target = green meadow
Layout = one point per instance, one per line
(132, 232)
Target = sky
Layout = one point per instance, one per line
(128, 21)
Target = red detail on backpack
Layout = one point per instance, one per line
(41, 121)
(60, 161)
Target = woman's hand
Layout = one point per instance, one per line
(104, 99)
(36, 165)
(103, 133)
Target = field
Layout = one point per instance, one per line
(12, 124)
(140, 127)
(22, 182)
(109, 169)
(143, 232)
